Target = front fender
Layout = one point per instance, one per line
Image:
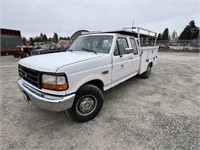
(80, 73)
(76, 84)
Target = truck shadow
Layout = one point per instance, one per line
(119, 90)
(46, 120)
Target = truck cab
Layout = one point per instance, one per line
(74, 81)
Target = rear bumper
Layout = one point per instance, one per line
(46, 101)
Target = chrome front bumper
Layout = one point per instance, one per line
(46, 101)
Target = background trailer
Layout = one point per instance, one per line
(9, 40)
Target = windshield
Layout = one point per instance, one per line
(93, 43)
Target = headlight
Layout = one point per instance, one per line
(53, 82)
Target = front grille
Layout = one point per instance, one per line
(30, 75)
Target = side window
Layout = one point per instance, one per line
(133, 44)
(116, 52)
(122, 44)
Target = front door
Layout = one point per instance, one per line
(122, 60)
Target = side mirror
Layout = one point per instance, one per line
(128, 50)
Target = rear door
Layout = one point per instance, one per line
(136, 58)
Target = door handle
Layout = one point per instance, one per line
(105, 72)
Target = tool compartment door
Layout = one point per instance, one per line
(149, 54)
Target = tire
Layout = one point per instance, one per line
(16, 55)
(147, 73)
(87, 104)
(23, 55)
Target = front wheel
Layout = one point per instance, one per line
(87, 104)
(147, 73)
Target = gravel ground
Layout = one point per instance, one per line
(162, 112)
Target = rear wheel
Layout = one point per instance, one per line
(16, 55)
(87, 104)
(147, 73)
(23, 55)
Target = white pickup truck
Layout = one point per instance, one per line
(74, 81)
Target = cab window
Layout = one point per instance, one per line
(121, 45)
(134, 46)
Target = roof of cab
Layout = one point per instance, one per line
(121, 32)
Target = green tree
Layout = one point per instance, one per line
(190, 32)
(45, 38)
(159, 37)
(165, 34)
(61, 38)
(41, 37)
(24, 40)
(55, 37)
(37, 39)
(31, 41)
(64, 38)
(50, 39)
(68, 38)
(194, 30)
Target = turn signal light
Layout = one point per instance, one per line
(60, 87)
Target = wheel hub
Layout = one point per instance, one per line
(86, 105)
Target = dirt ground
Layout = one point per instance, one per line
(161, 112)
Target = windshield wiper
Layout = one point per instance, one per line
(89, 50)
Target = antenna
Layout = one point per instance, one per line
(132, 24)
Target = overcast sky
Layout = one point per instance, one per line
(66, 17)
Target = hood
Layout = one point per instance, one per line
(51, 62)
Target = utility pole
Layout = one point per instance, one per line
(198, 39)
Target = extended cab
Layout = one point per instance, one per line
(74, 81)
